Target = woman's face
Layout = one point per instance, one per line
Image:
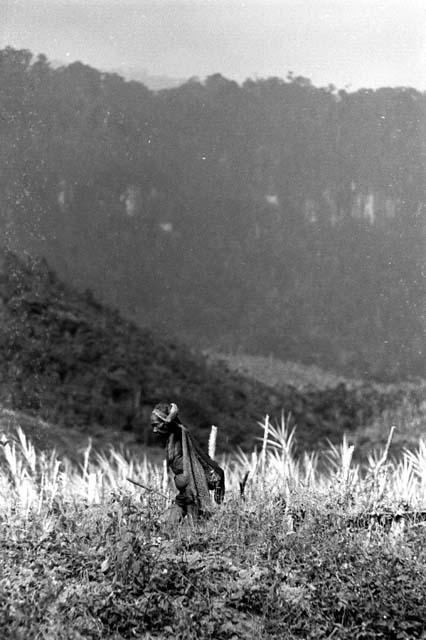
(156, 424)
(161, 431)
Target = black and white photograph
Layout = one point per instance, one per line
(212, 320)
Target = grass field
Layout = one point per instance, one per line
(87, 554)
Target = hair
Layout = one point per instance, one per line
(163, 407)
(168, 410)
(164, 417)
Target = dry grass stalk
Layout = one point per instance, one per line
(165, 482)
(264, 446)
(212, 442)
(31, 481)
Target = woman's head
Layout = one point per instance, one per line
(164, 416)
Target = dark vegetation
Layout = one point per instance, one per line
(111, 571)
(71, 361)
(275, 216)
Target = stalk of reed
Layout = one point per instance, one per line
(212, 442)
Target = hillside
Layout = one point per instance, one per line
(275, 372)
(270, 217)
(75, 363)
(407, 416)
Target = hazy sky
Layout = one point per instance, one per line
(353, 43)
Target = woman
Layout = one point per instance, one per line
(196, 474)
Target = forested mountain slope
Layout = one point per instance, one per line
(69, 360)
(275, 216)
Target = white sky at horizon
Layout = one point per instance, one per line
(349, 43)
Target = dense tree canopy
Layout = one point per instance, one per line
(274, 216)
